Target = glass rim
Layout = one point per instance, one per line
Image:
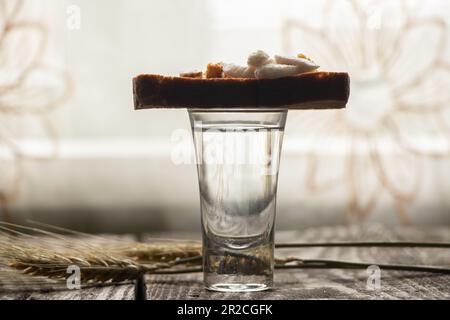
(238, 110)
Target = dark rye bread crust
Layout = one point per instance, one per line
(315, 90)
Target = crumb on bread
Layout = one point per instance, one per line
(192, 74)
(214, 70)
(303, 56)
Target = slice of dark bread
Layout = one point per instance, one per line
(315, 90)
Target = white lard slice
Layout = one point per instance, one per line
(273, 71)
(236, 71)
(304, 65)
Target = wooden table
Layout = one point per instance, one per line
(298, 284)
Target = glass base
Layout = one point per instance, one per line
(236, 283)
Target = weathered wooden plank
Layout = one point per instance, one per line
(310, 284)
(334, 283)
(15, 285)
(113, 292)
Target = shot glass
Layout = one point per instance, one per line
(238, 158)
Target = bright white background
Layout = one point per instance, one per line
(114, 171)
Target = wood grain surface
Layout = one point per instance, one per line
(289, 284)
(334, 283)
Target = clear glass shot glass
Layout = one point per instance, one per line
(238, 157)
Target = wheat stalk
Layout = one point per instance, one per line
(151, 252)
(99, 260)
(94, 266)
